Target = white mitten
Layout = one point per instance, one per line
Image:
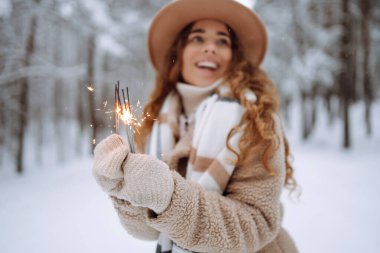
(148, 182)
(110, 154)
(142, 180)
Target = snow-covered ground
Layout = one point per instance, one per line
(339, 205)
(62, 209)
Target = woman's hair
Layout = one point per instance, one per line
(257, 119)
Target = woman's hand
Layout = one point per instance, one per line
(110, 154)
(148, 182)
(141, 179)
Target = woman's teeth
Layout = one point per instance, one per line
(207, 64)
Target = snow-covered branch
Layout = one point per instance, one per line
(43, 71)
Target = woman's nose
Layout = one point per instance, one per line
(209, 48)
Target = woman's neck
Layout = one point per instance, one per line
(192, 95)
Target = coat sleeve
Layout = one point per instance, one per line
(245, 219)
(134, 220)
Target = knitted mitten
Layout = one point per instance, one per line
(109, 156)
(140, 179)
(148, 182)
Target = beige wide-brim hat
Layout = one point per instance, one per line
(173, 17)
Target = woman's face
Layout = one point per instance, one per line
(207, 53)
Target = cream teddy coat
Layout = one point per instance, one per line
(246, 218)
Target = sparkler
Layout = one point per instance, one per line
(123, 111)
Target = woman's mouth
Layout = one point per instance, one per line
(210, 65)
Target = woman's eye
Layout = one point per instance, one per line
(223, 42)
(196, 39)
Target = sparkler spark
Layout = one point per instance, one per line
(124, 112)
(127, 116)
(90, 88)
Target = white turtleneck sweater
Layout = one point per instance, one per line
(191, 97)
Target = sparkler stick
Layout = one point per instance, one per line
(129, 104)
(118, 99)
(116, 110)
(125, 113)
(125, 103)
(130, 130)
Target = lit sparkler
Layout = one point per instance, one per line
(123, 112)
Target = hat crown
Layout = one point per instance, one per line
(173, 17)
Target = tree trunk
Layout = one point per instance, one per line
(81, 97)
(345, 82)
(2, 132)
(24, 91)
(90, 82)
(368, 90)
(313, 106)
(305, 115)
(327, 98)
(81, 117)
(59, 97)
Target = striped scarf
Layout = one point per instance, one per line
(211, 163)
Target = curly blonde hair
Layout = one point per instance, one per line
(242, 75)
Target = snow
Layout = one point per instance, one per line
(62, 209)
(315, 66)
(108, 29)
(247, 3)
(99, 13)
(111, 45)
(5, 8)
(66, 9)
(338, 209)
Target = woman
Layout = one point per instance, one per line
(214, 124)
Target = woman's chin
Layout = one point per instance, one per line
(202, 82)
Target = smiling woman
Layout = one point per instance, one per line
(216, 157)
(207, 53)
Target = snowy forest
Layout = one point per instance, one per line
(60, 60)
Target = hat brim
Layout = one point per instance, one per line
(173, 17)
